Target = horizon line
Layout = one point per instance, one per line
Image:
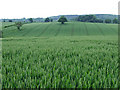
(57, 15)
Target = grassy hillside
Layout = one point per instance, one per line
(56, 29)
(51, 55)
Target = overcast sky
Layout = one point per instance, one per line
(46, 8)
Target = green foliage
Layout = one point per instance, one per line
(89, 18)
(98, 16)
(3, 20)
(45, 55)
(62, 19)
(51, 20)
(9, 26)
(10, 20)
(80, 62)
(47, 20)
(115, 20)
(18, 25)
(106, 16)
(30, 19)
(107, 20)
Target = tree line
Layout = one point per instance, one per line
(85, 18)
(81, 18)
(93, 19)
(63, 19)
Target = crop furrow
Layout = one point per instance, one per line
(100, 29)
(58, 30)
(44, 30)
(86, 29)
(72, 32)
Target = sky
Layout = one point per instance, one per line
(44, 8)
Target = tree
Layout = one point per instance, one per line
(30, 19)
(10, 20)
(3, 20)
(62, 19)
(99, 21)
(51, 20)
(79, 18)
(18, 25)
(107, 20)
(115, 20)
(88, 18)
(47, 20)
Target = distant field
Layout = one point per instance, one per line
(56, 29)
(45, 55)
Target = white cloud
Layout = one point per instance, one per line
(45, 8)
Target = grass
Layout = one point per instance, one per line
(51, 55)
(56, 29)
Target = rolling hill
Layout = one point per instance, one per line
(56, 29)
(51, 55)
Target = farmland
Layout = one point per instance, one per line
(45, 55)
(56, 29)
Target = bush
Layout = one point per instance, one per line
(18, 25)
